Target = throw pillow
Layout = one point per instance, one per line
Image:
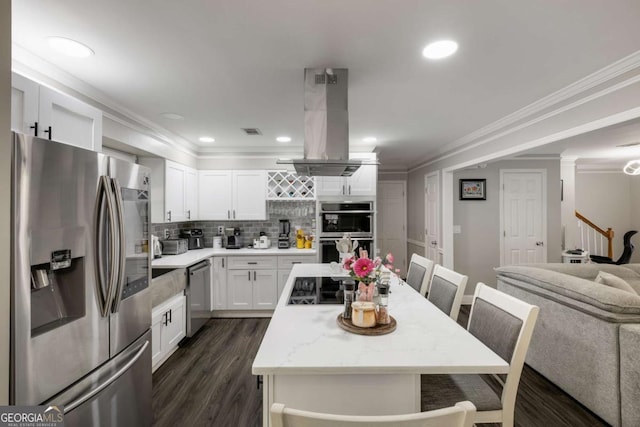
(609, 279)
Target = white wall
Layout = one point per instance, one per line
(5, 194)
(610, 199)
(599, 100)
(477, 247)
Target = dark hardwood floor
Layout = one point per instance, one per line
(208, 382)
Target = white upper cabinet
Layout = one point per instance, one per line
(173, 190)
(175, 185)
(250, 195)
(232, 195)
(215, 195)
(43, 112)
(330, 186)
(362, 183)
(191, 194)
(24, 105)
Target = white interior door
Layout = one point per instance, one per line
(523, 216)
(392, 219)
(432, 223)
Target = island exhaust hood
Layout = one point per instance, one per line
(326, 125)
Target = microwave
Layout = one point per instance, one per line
(337, 218)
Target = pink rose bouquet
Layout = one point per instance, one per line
(366, 271)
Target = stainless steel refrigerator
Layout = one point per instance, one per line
(80, 274)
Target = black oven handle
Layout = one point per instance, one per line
(346, 212)
(333, 239)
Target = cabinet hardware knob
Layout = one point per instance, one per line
(48, 131)
(35, 128)
(169, 216)
(254, 275)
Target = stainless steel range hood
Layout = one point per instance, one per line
(326, 125)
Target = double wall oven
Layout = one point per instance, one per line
(338, 218)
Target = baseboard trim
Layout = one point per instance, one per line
(226, 314)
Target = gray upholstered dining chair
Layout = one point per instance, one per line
(419, 273)
(505, 325)
(446, 290)
(460, 415)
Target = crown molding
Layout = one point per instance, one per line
(581, 91)
(50, 75)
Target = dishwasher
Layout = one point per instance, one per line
(198, 294)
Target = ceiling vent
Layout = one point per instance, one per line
(252, 131)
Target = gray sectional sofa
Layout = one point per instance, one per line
(587, 337)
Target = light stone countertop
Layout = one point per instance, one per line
(194, 256)
(305, 339)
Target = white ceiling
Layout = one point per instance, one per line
(225, 65)
(607, 148)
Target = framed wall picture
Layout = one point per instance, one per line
(473, 189)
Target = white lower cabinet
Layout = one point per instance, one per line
(219, 283)
(252, 283)
(239, 290)
(265, 289)
(168, 327)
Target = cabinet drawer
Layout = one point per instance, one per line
(252, 262)
(287, 262)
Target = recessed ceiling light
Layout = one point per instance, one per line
(440, 49)
(370, 139)
(172, 116)
(632, 168)
(69, 47)
(283, 139)
(206, 139)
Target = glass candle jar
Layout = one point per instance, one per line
(363, 314)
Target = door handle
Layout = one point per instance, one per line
(228, 214)
(48, 131)
(69, 407)
(343, 190)
(35, 128)
(119, 205)
(539, 243)
(222, 262)
(434, 242)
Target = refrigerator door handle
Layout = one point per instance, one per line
(105, 195)
(122, 256)
(82, 399)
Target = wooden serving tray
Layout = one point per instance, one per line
(348, 326)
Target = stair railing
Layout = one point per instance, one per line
(592, 237)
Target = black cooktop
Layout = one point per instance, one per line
(317, 290)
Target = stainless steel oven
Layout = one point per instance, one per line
(336, 219)
(329, 253)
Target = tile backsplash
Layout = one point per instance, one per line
(301, 214)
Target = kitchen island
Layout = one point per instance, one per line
(308, 362)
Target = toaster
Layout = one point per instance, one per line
(174, 246)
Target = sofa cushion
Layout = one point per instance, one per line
(614, 281)
(575, 288)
